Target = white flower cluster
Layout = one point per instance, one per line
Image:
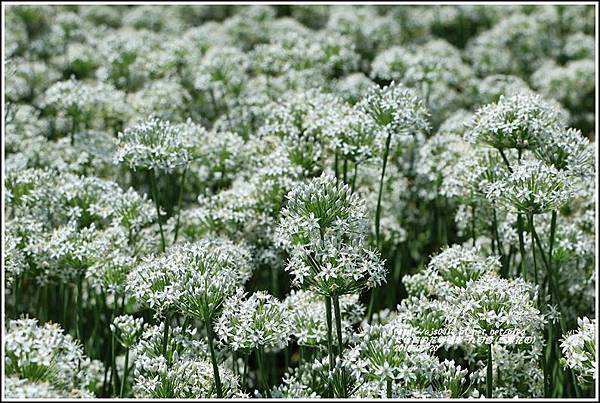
(324, 226)
(533, 187)
(434, 69)
(185, 372)
(127, 329)
(520, 121)
(454, 266)
(253, 322)
(193, 278)
(395, 109)
(387, 354)
(461, 301)
(45, 358)
(307, 314)
(579, 350)
(157, 144)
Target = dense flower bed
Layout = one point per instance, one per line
(299, 201)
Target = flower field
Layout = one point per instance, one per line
(299, 201)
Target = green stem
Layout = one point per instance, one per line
(388, 389)
(353, 186)
(378, 210)
(336, 166)
(552, 235)
(166, 336)
(535, 272)
(371, 305)
(553, 279)
(66, 322)
(505, 160)
(113, 372)
(124, 373)
(261, 365)
(153, 189)
(473, 223)
(245, 376)
(488, 379)
(79, 329)
(213, 358)
(338, 325)
(504, 269)
(520, 230)
(180, 199)
(345, 170)
(329, 331)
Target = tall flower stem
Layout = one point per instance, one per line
(553, 280)
(245, 375)
(180, 199)
(154, 192)
(535, 271)
(213, 358)
(345, 170)
(388, 389)
(329, 333)
(353, 185)
(520, 230)
(371, 305)
(473, 223)
(124, 373)
(260, 355)
(552, 235)
(166, 335)
(79, 330)
(488, 378)
(378, 210)
(338, 326)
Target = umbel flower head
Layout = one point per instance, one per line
(185, 372)
(324, 225)
(522, 121)
(193, 278)
(454, 266)
(45, 354)
(492, 304)
(259, 321)
(393, 353)
(127, 329)
(395, 109)
(307, 316)
(321, 209)
(533, 187)
(156, 144)
(568, 150)
(579, 350)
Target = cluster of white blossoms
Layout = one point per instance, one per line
(324, 226)
(253, 322)
(521, 121)
(193, 278)
(157, 144)
(308, 316)
(533, 187)
(388, 356)
(460, 301)
(395, 109)
(579, 350)
(127, 329)
(184, 371)
(299, 201)
(44, 358)
(454, 266)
